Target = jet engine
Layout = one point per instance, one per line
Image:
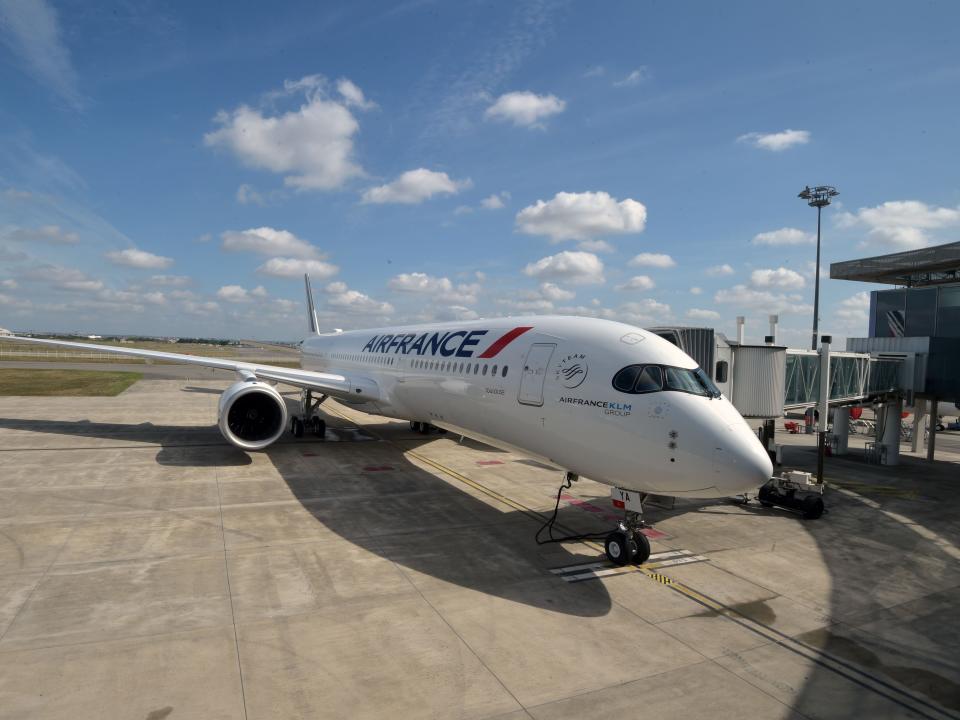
(252, 414)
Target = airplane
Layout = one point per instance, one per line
(598, 398)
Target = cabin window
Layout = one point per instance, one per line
(503, 373)
(494, 371)
(484, 369)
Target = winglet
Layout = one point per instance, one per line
(311, 310)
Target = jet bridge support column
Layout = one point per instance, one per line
(919, 416)
(932, 440)
(841, 430)
(891, 432)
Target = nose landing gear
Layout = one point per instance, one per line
(627, 544)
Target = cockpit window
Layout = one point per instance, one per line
(650, 380)
(684, 381)
(627, 378)
(637, 379)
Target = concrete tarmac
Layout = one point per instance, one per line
(150, 570)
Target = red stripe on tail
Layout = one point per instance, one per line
(503, 342)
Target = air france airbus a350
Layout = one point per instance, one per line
(597, 398)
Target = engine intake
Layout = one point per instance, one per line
(252, 414)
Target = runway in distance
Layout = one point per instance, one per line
(597, 398)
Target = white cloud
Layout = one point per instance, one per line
(440, 287)
(341, 297)
(900, 224)
(776, 141)
(247, 195)
(233, 294)
(353, 96)
(781, 279)
(743, 296)
(696, 290)
(268, 241)
(32, 32)
(555, 292)
(784, 236)
(595, 71)
(259, 292)
(576, 268)
(46, 234)
(601, 246)
(200, 308)
(415, 186)
(634, 78)
(9, 284)
(525, 109)
(495, 201)
(311, 146)
(170, 280)
(718, 270)
(644, 312)
(658, 260)
(131, 257)
(698, 314)
(581, 216)
(854, 311)
(455, 313)
(462, 210)
(285, 267)
(638, 282)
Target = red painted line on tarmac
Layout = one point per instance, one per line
(377, 468)
(651, 533)
(489, 462)
(503, 342)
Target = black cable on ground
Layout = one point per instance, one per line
(548, 525)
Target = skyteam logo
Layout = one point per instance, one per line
(572, 370)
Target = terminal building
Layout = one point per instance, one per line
(918, 321)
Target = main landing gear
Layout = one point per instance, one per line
(308, 419)
(627, 544)
(425, 428)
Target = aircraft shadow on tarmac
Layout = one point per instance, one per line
(387, 506)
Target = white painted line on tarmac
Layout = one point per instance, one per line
(603, 568)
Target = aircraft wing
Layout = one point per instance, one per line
(343, 387)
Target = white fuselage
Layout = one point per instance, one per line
(544, 386)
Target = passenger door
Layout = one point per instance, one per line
(534, 373)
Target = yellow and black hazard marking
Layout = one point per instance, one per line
(662, 579)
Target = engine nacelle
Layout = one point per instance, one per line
(252, 414)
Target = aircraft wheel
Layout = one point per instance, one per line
(642, 548)
(619, 548)
(319, 426)
(812, 507)
(414, 426)
(442, 431)
(296, 427)
(424, 428)
(764, 497)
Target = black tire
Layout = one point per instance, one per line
(424, 428)
(414, 426)
(941, 427)
(618, 548)
(642, 545)
(296, 427)
(319, 427)
(765, 497)
(442, 431)
(812, 507)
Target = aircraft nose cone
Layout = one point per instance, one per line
(740, 463)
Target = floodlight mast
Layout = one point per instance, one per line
(818, 197)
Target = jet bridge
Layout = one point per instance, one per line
(766, 381)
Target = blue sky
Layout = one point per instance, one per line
(172, 169)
